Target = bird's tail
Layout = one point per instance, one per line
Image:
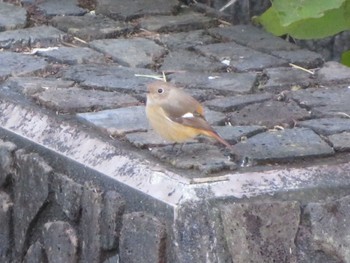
(216, 136)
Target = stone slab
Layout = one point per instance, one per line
(132, 52)
(12, 17)
(285, 145)
(6, 205)
(71, 100)
(40, 36)
(35, 253)
(303, 58)
(91, 27)
(72, 55)
(230, 83)
(16, 64)
(234, 134)
(7, 150)
(333, 73)
(184, 40)
(119, 121)
(231, 103)
(327, 126)
(121, 10)
(61, 8)
(147, 139)
(239, 57)
(110, 77)
(269, 114)
(325, 102)
(182, 22)
(340, 141)
(184, 60)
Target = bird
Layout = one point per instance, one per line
(175, 115)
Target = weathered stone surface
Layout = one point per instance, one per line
(72, 100)
(111, 220)
(236, 102)
(327, 126)
(214, 117)
(113, 259)
(198, 156)
(184, 40)
(90, 27)
(340, 141)
(285, 145)
(286, 78)
(91, 225)
(235, 133)
(60, 242)
(122, 10)
(34, 254)
(259, 232)
(252, 37)
(181, 22)
(143, 139)
(270, 113)
(15, 64)
(12, 17)
(233, 83)
(184, 60)
(303, 58)
(132, 52)
(61, 8)
(329, 227)
(141, 235)
(41, 36)
(325, 102)
(72, 55)
(118, 121)
(30, 194)
(240, 58)
(5, 230)
(109, 77)
(31, 85)
(333, 73)
(68, 195)
(6, 160)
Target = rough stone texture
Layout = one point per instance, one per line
(132, 52)
(327, 126)
(12, 17)
(269, 114)
(128, 10)
(240, 58)
(90, 27)
(32, 173)
(15, 64)
(68, 195)
(72, 56)
(143, 139)
(111, 220)
(5, 231)
(236, 133)
(325, 102)
(60, 242)
(71, 100)
(184, 40)
(233, 83)
(137, 228)
(285, 145)
(61, 8)
(118, 121)
(333, 73)
(340, 141)
(109, 77)
(184, 60)
(113, 259)
(181, 22)
(236, 102)
(91, 225)
(203, 157)
(329, 227)
(34, 37)
(303, 58)
(6, 160)
(259, 232)
(34, 254)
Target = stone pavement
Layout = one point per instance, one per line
(73, 81)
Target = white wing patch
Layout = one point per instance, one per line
(188, 115)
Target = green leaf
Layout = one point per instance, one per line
(345, 58)
(291, 11)
(270, 21)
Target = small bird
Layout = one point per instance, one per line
(175, 115)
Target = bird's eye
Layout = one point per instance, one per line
(160, 91)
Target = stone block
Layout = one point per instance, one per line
(35, 253)
(7, 150)
(12, 17)
(327, 126)
(61, 8)
(6, 205)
